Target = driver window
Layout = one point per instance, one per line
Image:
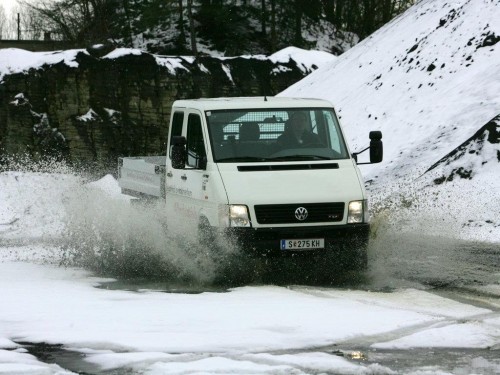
(195, 142)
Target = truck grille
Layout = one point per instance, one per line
(286, 213)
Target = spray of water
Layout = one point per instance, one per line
(113, 236)
(415, 234)
(418, 238)
(98, 229)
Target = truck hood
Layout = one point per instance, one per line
(291, 182)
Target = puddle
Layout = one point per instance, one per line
(435, 361)
(145, 285)
(431, 361)
(67, 359)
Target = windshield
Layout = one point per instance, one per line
(275, 135)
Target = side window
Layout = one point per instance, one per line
(177, 121)
(195, 143)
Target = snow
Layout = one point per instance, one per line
(428, 112)
(25, 215)
(120, 52)
(429, 80)
(91, 115)
(13, 363)
(306, 60)
(227, 70)
(171, 63)
(14, 60)
(108, 185)
(269, 318)
(144, 327)
(461, 335)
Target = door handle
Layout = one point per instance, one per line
(184, 177)
(170, 174)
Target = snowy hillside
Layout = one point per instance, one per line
(430, 80)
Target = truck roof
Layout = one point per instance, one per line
(271, 102)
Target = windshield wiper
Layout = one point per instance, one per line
(242, 158)
(300, 157)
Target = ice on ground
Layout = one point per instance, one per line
(474, 334)
(317, 361)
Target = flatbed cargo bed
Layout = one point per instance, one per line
(142, 176)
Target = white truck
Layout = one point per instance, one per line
(273, 173)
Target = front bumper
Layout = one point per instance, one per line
(266, 241)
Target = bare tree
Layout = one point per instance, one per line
(3, 22)
(80, 21)
(32, 24)
(8, 23)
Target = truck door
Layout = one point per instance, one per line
(184, 194)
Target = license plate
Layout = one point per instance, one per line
(305, 244)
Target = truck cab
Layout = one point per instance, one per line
(273, 174)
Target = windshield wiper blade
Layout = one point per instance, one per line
(300, 157)
(243, 158)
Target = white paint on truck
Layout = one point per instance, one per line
(275, 172)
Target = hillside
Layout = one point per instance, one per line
(430, 80)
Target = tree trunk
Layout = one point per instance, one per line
(182, 34)
(264, 18)
(298, 24)
(194, 48)
(274, 41)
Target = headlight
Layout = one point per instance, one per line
(238, 216)
(357, 212)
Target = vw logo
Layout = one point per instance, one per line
(301, 213)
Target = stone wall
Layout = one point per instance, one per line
(107, 108)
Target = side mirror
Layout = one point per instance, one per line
(376, 147)
(202, 163)
(178, 152)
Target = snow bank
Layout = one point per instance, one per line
(14, 60)
(307, 61)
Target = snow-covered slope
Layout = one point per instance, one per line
(430, 80)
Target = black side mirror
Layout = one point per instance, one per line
(178, 152)
(376, 147)
(202, 163)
